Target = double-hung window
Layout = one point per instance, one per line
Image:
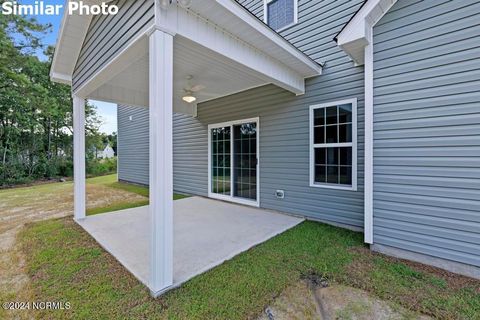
(280, 14)
(333, 145)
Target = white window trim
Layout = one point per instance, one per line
(353, 144)
(231, 198)
(295, 14)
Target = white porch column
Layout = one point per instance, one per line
(161, 159)
(79, 200)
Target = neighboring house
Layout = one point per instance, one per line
(363, 114)
(106, 153)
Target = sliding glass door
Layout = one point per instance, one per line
(245, 161)
(233, 161)
(221, 160)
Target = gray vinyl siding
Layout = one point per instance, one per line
(254, 6)
(110, 34)
(132, 145)
(188, 151)
(190, 158)
(427, 129)
(284, 123)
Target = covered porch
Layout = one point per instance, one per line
(181, 58)
(206, 232)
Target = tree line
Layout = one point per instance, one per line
(35, 113)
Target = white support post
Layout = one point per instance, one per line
(161, 160)
(79, 198)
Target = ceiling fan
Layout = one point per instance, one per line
(190, 90)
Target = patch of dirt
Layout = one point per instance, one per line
(21, 206)
(309, 299)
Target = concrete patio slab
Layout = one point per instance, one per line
(206, 233)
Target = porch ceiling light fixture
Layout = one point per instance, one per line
(189, 98)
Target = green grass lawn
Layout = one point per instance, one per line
(66, 264)
(111, 181)
(40, 195)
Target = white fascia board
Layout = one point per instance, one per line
(61, 32)
(60, 78)
(202, 31)
(354, 37)
(73, 31)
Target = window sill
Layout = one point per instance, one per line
(333, 186)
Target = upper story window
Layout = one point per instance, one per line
(333, 145)
(280, 14)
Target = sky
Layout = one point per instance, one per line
(107, 111)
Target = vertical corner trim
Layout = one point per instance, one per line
(368, 193)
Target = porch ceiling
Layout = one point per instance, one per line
(223, 46)
(216, 74)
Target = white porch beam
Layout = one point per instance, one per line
(194, 27)
(79, 198)
(161, 160)
(121, 94)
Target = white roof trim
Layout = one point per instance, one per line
(68, 45)
(354, 37)
(73, 30)
(69, 42)
(55, 54)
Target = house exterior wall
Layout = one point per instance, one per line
(110, 34)
(427, 129)
(132, 144)
(284, 123)
(284, 118)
